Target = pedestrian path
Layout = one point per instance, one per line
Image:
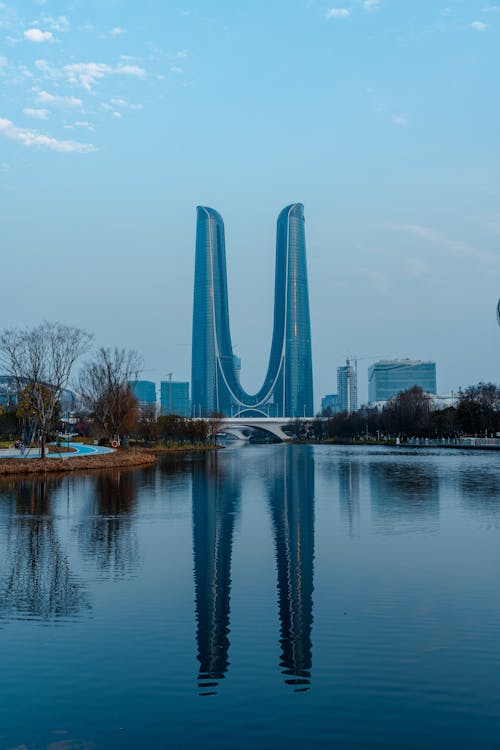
(81, 449)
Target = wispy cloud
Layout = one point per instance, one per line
(337, 13)
(56, 100)
(378, 279)
(87, 74)
(176, 69)
(32, 138)
(439, 239)
(55, 23)
(117, 31)
(37, 114)
(479, 26)
(371, 4)
(38, 36)
(400, 120)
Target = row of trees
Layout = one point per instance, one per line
(412, 413)
(38, 363)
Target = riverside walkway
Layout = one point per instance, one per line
(80, 449)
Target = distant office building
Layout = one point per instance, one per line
(174, 398)
(145, 393)
(330, 402)
(389, 377)
(347, 387)
(8, 391)
(68, 399)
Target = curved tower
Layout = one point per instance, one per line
(287, 389)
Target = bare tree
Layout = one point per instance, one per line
(214, 425)
(106, 392)
(39, 361)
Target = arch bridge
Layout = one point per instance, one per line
(243, 427)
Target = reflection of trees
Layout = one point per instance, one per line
(291, 501)
(480, 489)
(38, 581)
(405, 495)
(348, 472)
(216, 500)
(107, 535)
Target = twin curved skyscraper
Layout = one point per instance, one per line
(287, 390)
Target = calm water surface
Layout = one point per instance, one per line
(268, 596)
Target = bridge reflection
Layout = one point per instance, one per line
(216, 500)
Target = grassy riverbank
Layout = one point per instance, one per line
(118, 460)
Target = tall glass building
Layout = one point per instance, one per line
(389, 377)
(287, 390)
(144, 391)
(174, 398)
(347, 387)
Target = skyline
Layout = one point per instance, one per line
(380, 119)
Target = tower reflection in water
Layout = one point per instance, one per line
(291, 503)
(216, 501)
(216, 504)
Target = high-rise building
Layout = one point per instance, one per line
(145, 393)
(287, 389)
(347, 387)
(330, 402)
(174, 398)
(386, 378)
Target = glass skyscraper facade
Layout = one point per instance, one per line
(174, 398)
(389, 377)
(145, 392)
(287, 390)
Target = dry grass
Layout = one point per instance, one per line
(121, 459)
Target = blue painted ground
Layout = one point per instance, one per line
(80, 448)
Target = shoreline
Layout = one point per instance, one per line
(121, 459)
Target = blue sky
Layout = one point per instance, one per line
(117, 118)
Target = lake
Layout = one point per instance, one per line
(276, 596)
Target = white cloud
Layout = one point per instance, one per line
(117, 114)
(3, 62)
(479, 26)
(43, 97)
(176, 69)
(81, 124)
(371, 4)
(31, 138)
(400, 120)
(87, 74)
(182, 54)
(435, 237)
(57, 23)
(491, 9)
(37, 114)
(117, 31)
(337, 13)
(120, 102)
(379, 280)
(37, 35)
